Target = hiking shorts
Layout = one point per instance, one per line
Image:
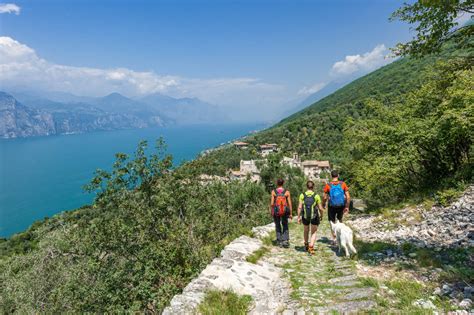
(313, 221)
(335, 212)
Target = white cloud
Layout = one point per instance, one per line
(20, 66)
(9, 8)
(367, 62)
(307, 90)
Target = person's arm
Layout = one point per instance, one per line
(325, 195)
(290, 204)
(325, 199)
(321, 208)
(272, 201)
(348, 201)
(300, 207)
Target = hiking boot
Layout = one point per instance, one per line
(311, 250)
(285, 244)
(306, 247)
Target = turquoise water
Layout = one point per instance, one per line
(42, 176)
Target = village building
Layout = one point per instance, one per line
(312, 169)
(267, 148)
(248, 169)
(293, 161)
(241, 145)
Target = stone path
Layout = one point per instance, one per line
(283, 281)
(323, 283)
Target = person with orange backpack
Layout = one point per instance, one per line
(337, 194)
(281, 209)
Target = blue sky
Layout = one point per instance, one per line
(235, 53)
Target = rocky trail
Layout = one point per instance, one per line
(322, 282)
(396, 270)
(283, 280)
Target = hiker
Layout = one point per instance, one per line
(281, 209)
(337, 192)
(312, 210)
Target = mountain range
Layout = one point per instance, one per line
(26, 114)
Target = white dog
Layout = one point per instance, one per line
(344, 237)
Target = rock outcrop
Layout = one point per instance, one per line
(440, 227)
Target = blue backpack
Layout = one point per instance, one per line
(336, 195)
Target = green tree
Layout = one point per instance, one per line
(435, 24)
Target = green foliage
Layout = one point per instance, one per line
(225, 303)
(435, 23)
(416, 144)
(220, 161)
(446, 196)
(148, 233)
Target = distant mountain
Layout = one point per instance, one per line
(35, 114)
(45, 117)
(185, 111)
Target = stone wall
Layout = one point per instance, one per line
(262, 281)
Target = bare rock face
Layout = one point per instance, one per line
(440, 227)
(262, 281)
(17, 120)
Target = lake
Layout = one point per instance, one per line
(42, 176)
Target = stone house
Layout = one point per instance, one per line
(312, 169)
(241, 145)
(248, 169)
(267, 148)
(293, 161)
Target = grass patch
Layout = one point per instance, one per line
(256, 255)
(259, 253)
(225, 302)
(406, 293)
(369, 282)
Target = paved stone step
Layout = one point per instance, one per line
(350, 283)
(359, 293)
(343, 279)
(351, 306)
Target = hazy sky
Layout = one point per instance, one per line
(253, 54)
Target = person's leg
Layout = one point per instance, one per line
(305, 231)
(340, 214)
(314, 228)
(285, 232)
(277, 228)
(332, 218)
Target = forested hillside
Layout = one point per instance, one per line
(403, 126)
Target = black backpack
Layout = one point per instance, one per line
(309, 204)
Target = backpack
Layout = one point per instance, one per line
(336, 195)
(308, 203)
(280, 205)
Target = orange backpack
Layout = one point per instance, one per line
(280, 204)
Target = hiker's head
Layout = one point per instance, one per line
(309, 184)
(280, 182)
(334, 174)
